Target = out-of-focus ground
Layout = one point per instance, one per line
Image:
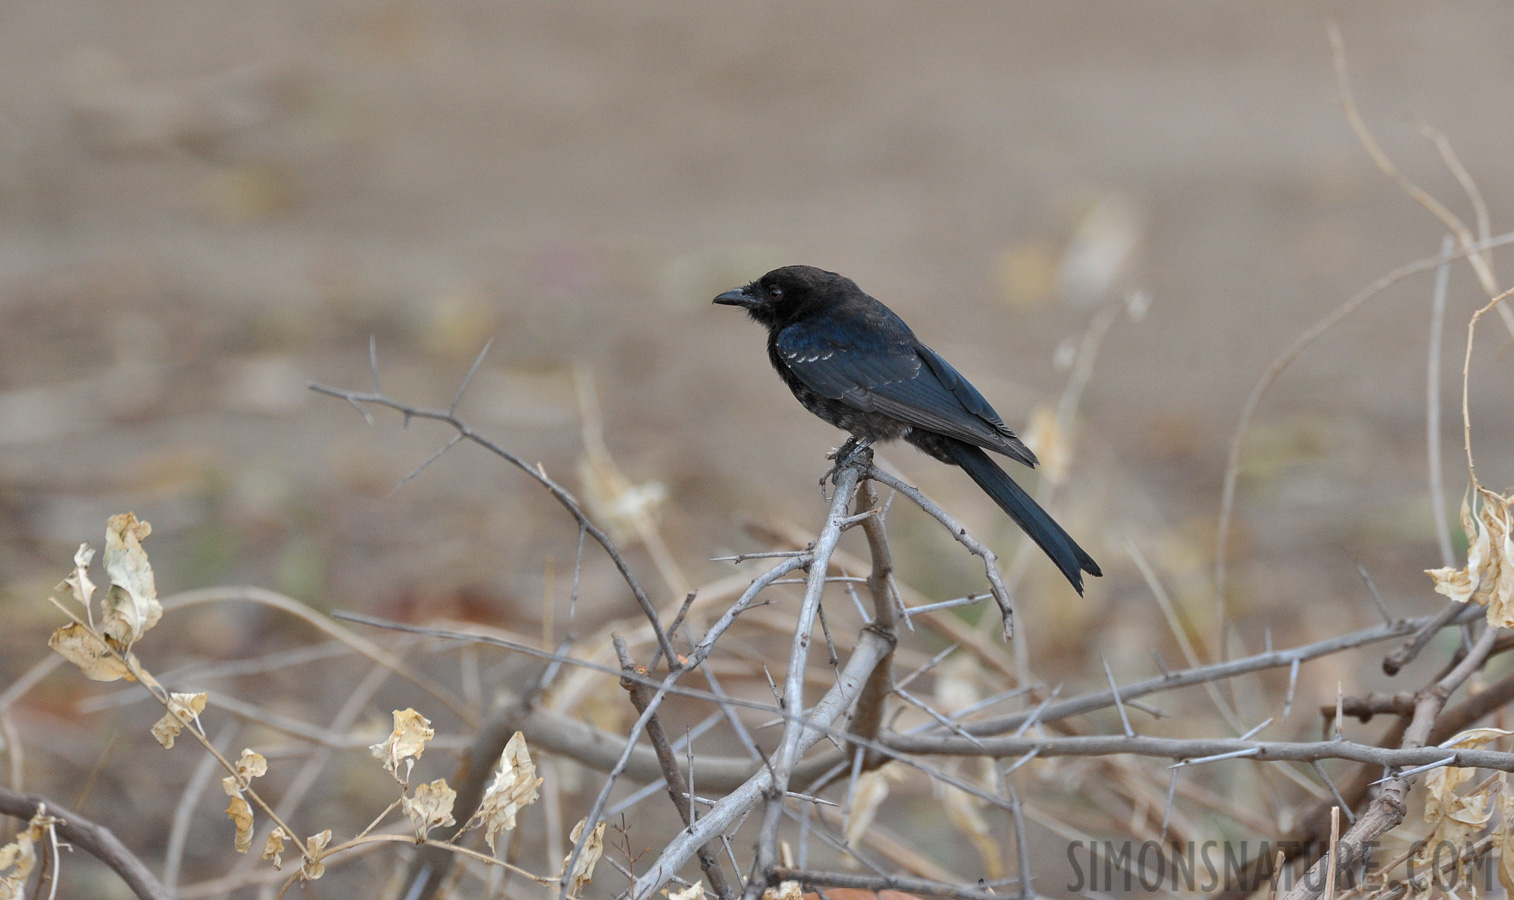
(205, 205)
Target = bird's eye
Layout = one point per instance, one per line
(775, 292)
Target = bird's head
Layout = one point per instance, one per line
(788, 294)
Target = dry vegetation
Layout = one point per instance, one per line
(813, 720)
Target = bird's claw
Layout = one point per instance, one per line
(844, 455)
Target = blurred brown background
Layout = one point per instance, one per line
(204, 205)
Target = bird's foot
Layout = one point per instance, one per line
(844, 456)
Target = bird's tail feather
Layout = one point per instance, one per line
(1036, 522)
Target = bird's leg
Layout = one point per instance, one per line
(844, 456)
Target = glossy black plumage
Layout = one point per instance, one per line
(852, 362)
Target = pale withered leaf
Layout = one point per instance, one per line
(87, 650)
(250, 765)
(239, 812)
(408, 741)
(78, 584)
(1488, 576)
(512, 789)
(19, 857)
(1456, 817)
(182, 709)
(693, 892)
(273, 848)
(430, 806)
(130, 606)
(588, 857)
(311, 867)
(786, 890)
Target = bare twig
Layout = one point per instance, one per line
(996, 586)
(558, 492)
(1432, 406)
(923, 886)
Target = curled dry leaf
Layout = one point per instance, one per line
(1488, 576)
(430, 807)
(1457, 817)
(273, 848)
(182, 709)
(312, 867)
(87, 650)
(512, 789)
(588, 857)
(131, 605)
(19, 857)
(78, 584)
(786, 890)
(693, 892)
(408, 741)
(250, 765)
(239, 812)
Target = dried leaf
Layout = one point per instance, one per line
(19, 857)
(250, 765)
(1455, 817)
(1488, 576)
(693, 892)
(273, 848)
(182, 709)
(786, 890)
(408, 741)
(430, 807)
(588, 857)
(78, 583)
(87, 650)
(239, 812)
(131, 605)
(511, 790)
(312, 867)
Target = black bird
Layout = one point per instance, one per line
(856, 365)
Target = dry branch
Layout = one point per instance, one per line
(96, 840)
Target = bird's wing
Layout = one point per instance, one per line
(888, 371)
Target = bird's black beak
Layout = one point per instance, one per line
(737, 297)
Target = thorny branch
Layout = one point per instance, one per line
(1389, 809)
(465, 432)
